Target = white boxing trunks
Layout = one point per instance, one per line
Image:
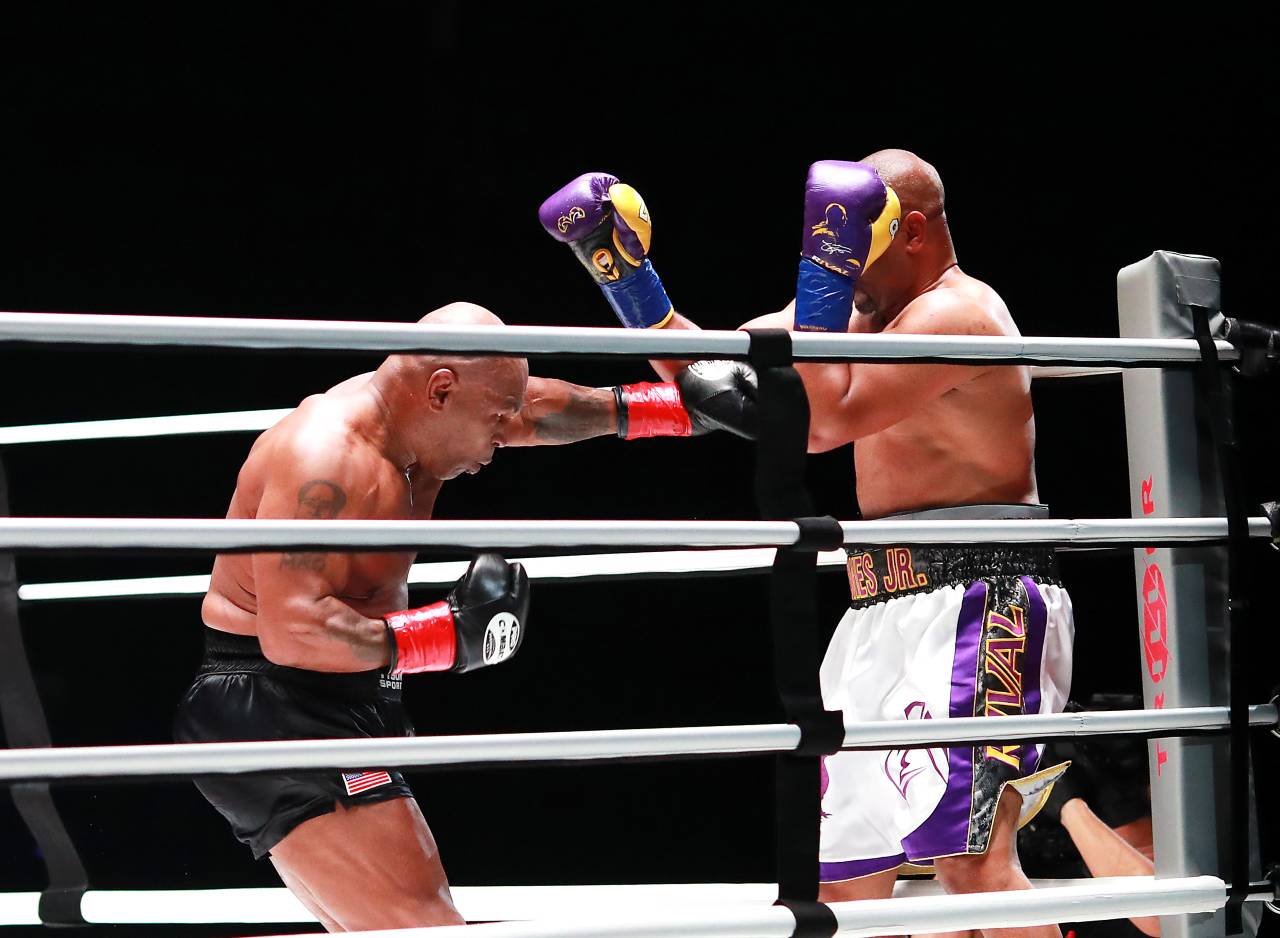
(932, 633)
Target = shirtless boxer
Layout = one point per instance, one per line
(309, 645)
(932, 632)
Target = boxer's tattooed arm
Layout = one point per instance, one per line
(557, 412)
(583, 416)
(322, 500)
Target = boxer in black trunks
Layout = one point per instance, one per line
(311, 645)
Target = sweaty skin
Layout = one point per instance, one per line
(377, 446)
(925, 435)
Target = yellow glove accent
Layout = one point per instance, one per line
(665, 319)
(631, 209)
(885, 228)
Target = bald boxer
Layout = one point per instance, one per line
(306, 644)
(932, 632)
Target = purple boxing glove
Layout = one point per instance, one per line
(606, 224)
(850, 216)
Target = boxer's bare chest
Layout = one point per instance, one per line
(971, 445)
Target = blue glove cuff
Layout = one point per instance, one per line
(824, 299)
(639, 300)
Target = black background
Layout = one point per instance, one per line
(375, 161)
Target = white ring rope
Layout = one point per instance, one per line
(280, 755)
(551, 340)
(257, 906)
(238, 421)
(1089, 900)
(219, 534)
(129, 428)
(562, 569)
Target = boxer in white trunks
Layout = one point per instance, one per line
(932, 632)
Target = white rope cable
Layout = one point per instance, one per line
(562, 569)
(276, 905)
(123, 428)
(551, 340)
(1072, 371)
(218, 534)
(1088, 900)
(280, 755)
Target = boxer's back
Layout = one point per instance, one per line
(331, 422)
(973, 444)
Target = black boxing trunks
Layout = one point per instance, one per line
(238, 695)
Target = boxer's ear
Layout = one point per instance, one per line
(914, 230)
(440, 387)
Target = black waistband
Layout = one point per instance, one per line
(884, 572)
(227, 653)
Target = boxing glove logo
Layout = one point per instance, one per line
(832, 222)
(501, 638)
(574, 214)
(711, 369)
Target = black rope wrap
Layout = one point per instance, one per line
(781, 454)
(822, 533)
(1213, 385)
(1257, 343)
(25, 726)
(813, 919)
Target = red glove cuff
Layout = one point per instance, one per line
(425, 639)
(652, 410)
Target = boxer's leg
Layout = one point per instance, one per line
(875, 886)
(303, 895)
(997, 869)
(369, 866)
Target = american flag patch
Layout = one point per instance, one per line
(357, 782)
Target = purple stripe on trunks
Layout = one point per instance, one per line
(852, 869)
(1037, 624)
(946, 830)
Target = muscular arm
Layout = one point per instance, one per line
(557, 412)
(667, 370)
(301, 621)
(850, 401)
(1106, 853)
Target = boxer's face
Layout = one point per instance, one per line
(888, 283)
(481, 405)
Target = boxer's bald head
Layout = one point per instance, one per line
(922, 250)
(917, 183)
(494, 370)
(455, 407)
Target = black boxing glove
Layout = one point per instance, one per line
(706, 396)
(482, 622)
(721, 395)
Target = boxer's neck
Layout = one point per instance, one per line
(401, 415)
(933, 265)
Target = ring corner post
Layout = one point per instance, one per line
(1182, 593)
